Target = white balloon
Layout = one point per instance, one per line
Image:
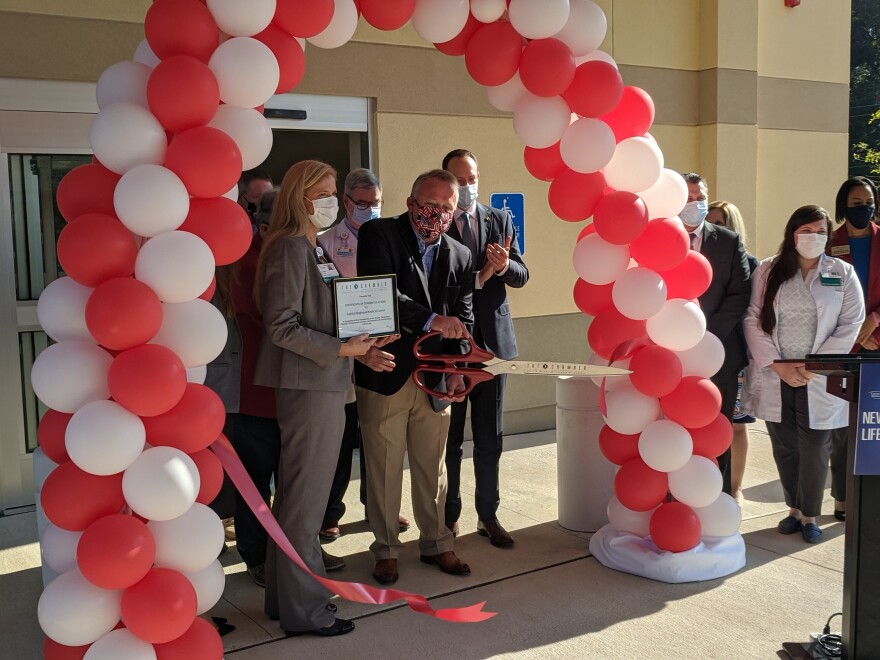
(246, 71)
(190, 542)
(704, 359)
(250, 130)
(68, 375)
(197, 374)
(538, 19)
(242, 19)
(177, 265)
(438, 21)
(680, 325)
(628, 411)
(145, 55)
(585, 29)
(667, 197)
(540, 122)
(118, 644)
(125, 135)
(697, 484)
(151, 200)
(665, 446)
(195, 330)
(596, 55)
(161, 484)
(506, 95)
(104, 438)
(587, 145)
(639, 293)
(611, 382)
(341, 28)
(123, 82)
(721, 518)
(636, 165)
(488, 11)
(74, 612)
(627, 520)
(61, 310)
(232, 193)
(208, 584)
(599, 262)
(58, 547)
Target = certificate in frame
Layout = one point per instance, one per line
(366, 305)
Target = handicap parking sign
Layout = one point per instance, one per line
(514, 205)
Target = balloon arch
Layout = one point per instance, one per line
(130, 423)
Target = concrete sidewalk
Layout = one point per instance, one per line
(552, 598)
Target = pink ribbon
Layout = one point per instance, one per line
(353, 591)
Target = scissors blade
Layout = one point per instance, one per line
(534, 368)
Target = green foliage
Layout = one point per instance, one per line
(864, 117)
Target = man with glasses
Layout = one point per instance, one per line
(434, 291)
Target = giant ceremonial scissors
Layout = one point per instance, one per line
(491, 366)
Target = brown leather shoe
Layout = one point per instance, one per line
(402, 523)
(498, 536)
(452, 527)
(385, 571)
(448, 563)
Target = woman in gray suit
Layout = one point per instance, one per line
(310, 369)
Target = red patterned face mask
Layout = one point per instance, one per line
(431, 221)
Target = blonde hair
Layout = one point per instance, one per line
(290, 217)
(733, 219)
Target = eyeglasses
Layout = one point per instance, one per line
(363, 206)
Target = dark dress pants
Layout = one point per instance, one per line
(727, 385)
(351, 440)
(487, 403)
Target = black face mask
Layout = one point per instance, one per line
(860, 216)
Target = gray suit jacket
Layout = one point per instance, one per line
(299, 350)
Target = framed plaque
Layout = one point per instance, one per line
(366, 304)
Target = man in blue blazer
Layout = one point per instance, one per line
(497, 264)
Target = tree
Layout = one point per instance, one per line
(864, 117)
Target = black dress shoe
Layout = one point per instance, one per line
(840, 515)
(498, 536)
(331, 607)
(339, 627)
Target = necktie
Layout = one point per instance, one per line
(467, 236)
(693, 238)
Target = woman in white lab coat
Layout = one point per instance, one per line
(803, 302)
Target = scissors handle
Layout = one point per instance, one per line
(474, 354)
(471, 377)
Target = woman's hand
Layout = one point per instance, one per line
(355, 346)
(868, 327)
(384, 341)
(870, 344)
(792, 373)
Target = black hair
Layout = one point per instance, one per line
(840, 201)
(457, 153)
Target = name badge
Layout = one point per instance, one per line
(830, 279)
(328, 272)
(344, 251)
(839, 250)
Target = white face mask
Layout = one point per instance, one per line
(694, 213)
(467, 195)
(326, 210)
(810, 246)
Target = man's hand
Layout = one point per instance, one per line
(455, 388)
(384, 341)
(486, 272)
(497, 255)
(356, 346)
(377, 360)
(450, 327)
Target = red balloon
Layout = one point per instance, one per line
(458, 44)
(148, 380)
(675, 527)
(95, 247)
(694, 403)
(116, 552)
(544, 164)
(546, 67)
(223, 225)
(181, 27)
(161, 607)
(586, 231)
(662, 246)
(595, 89)
(384, 15)
(182, 93)
(639, 487)
(632, 116)
(656, 371)
(620, 217)
(304, 18)
(290, 56)
(690, 279)
(210, 473)
(50, 435)
(714, 438)
(493, 53)
(52, 650)
(73, 499)
(123, 313)
(200, 642)
(617, 447)
(206, 159)
(87, 189)
(208, 294)
(592, 299)
(573, 196)
(610, 329)
(192, 424)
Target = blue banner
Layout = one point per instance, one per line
(515, 206)
(867, 459)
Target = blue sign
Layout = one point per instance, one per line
(867, 459)
(515, 205)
